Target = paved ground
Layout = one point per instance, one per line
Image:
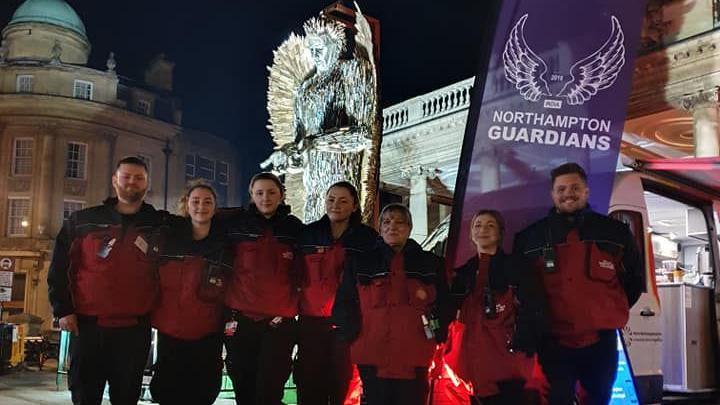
(32, 387)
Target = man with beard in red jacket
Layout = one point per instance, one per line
(102, 285)
(590, 270)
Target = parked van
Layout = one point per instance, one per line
(672, 209)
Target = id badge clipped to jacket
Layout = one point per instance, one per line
(212, 286)
(431, 324)
(549, 259)
(489, 308)
(106, 247)
(231, 328)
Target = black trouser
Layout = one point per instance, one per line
(512, 392)
(323, 370)
(187, 372)
(594, 367)
(392, 391)
(259, 358)
(113, 355)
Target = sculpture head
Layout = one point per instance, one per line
(324, 40)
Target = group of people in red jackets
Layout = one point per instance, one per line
(259, 283)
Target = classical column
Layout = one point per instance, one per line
(418, 176)
(704, 108)
(706, 137)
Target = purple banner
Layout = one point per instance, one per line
(552, 89)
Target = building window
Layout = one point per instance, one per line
(24, 83)
(83, 89)
(142, 107)
(205, 168)
(71, 206)
(22, 161)
(18, 216)
(222, 172)
(75, 163)
(189, 167)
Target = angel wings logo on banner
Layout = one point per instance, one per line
(598, 71)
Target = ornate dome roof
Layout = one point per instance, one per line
(54, 12)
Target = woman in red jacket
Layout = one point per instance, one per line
(188, 315)
(261, 300)
(323, 370)
(494, 352)
(390, 305)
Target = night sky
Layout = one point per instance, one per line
(221, 49)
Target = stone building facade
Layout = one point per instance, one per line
(63, 125)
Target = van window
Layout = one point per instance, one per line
(680, 241)
(634, 221)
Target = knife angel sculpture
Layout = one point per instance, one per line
(322, 102)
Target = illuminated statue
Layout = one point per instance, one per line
(323, 114)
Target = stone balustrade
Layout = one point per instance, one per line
(428, 106)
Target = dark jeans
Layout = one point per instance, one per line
(391, 391)
(594, 367)
(259, 358)
(323, 369)
(187, 372)
(512, 392)
(113, 355)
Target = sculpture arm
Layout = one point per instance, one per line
(287, 159)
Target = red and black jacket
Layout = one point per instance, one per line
(490, 303)
(323, 261)
(380, 306)
(595, 277)
(104, 264)
(264, 279)
(193, 278)
(506, 274)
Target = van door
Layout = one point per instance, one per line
(643, 332)
(680, 201)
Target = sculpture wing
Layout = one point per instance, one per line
(359, 74)
(523, 67)
(597, 71)
(361, 101)
(291, 65)
(363, 37)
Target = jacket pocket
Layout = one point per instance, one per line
(313, 269)
(378, 292)
(602, 265)
(213, 283)
(96, 247)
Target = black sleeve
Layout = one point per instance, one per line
(458, 288)
(58, 274)
(633, 275)
(518, 249)
(530, 325)
(346, 310)
(445, 307)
